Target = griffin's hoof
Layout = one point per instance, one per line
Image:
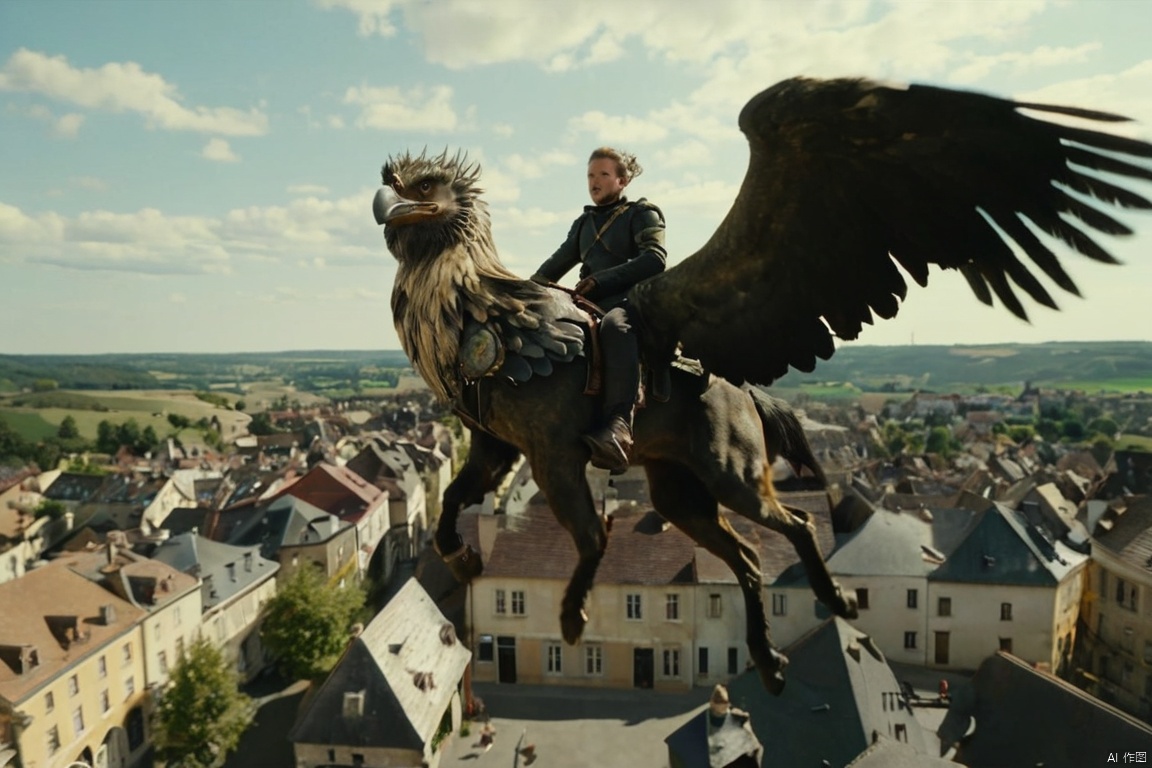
(772, 672)
(847, 606)
(464, 563)
(572, 625)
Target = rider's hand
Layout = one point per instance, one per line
(586, 286)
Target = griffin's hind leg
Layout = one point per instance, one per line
(754, 498)
(489, 461)
(686, 502)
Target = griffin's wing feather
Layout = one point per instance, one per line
(852, 185)
(547, 330)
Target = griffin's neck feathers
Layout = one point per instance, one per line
(434, 294)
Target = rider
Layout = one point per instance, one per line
(619, 243)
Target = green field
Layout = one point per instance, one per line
(1134, 441)
(147, 407)
(1118, 386)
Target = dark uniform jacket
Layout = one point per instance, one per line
(628, 251)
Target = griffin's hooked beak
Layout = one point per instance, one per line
(391, 209)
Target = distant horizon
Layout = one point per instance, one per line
(155, 200)
(397, 350)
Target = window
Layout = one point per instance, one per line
(910, 640)
(634, 609)
(593, 660)
(102, 666)
(105, 701)
(73, 685)
(501, 607)
(129, 687)
(862, 598)
(913, 598)
(901, 732)
(1005, 611)
(49, 702)
(672, 607)
(179, 647)
(779, 604)
(733, 660)
(1148, 651)
(176, 615)
(162, 657)
(486, 650)
(78, 720)
(156, 630)
(671, 662)
(555, 663)
(702, 662)
(1006, 644)
(944, 606)
(517, 602)
(715, 605)
(53, 740)
(126, 653)
(357, 758)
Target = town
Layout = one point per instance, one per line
(999, 545)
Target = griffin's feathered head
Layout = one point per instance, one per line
(428, 204)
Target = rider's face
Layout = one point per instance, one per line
(604, 181)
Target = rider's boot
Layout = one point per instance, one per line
(611, 444)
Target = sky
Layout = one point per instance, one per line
(184, 176)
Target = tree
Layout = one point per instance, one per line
(106, 440)
(202, 713)
(178, 421)
(49, 508)
(128, 434)
(940, 441)
(148, 439)
(306, 627)
(68, 429)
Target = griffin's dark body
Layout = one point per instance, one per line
(847, 180)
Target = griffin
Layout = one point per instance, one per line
(850, 186)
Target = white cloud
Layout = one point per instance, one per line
(503, 130)
(518, 219)
(394, 109)
(536, 166)
(123, 87)
(177, 298)
(68, 125)
(617, 128)
(375, 15)
(334, 232)
(307, 189)
(980, 67)
(335, 121)
(692, 154)
(1125, 93)
(220, 151)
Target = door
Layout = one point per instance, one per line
(506, 659)
(643, 667)
(943, 640)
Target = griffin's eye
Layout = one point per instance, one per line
(425, 187)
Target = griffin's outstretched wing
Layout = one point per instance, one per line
(848, 179)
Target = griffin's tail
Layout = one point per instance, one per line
(784, 436)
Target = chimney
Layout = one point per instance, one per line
(248, 561)
(107, 614)
(111, 552)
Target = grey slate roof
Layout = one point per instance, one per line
(225, 570)
(839, 692)
(283, 522)
(701, 744)
(1026, 718)
(1004, 549)
(901, 543)
(407, 663)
